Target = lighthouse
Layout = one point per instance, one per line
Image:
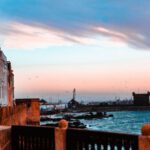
(72, 104)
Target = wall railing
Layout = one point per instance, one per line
(64, 138)
(78, 139)
(32, 138)
(49, 138)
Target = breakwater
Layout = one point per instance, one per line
(95, 108)
(112, 108)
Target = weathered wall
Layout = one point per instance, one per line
(13, 115)
(10, 84)
(5, 138)
(3, 79)
(33, 109)
(33, 112)
(24, 112)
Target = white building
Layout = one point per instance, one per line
(6, 75)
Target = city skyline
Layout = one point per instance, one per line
(97, 47)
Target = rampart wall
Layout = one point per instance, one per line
(26, 112)
(13, 115)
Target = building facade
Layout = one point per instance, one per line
(6, 81)
(10, 84)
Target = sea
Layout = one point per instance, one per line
(122, 122)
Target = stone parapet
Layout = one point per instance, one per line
(33, 109)
(13, 115)
(5, 138)
(24, 112)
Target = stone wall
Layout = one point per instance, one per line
(13, 115)
(33, 113)
(24, 112)
(33, 109)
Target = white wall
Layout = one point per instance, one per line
(3, 79)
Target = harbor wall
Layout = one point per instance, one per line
(113, 108)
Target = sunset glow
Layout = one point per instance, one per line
(101, 48)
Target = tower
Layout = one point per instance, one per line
(74, 94)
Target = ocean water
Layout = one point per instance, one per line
(123, 121)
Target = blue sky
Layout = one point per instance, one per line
(97, 46)
(81, 18)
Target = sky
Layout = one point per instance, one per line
(99, 47)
